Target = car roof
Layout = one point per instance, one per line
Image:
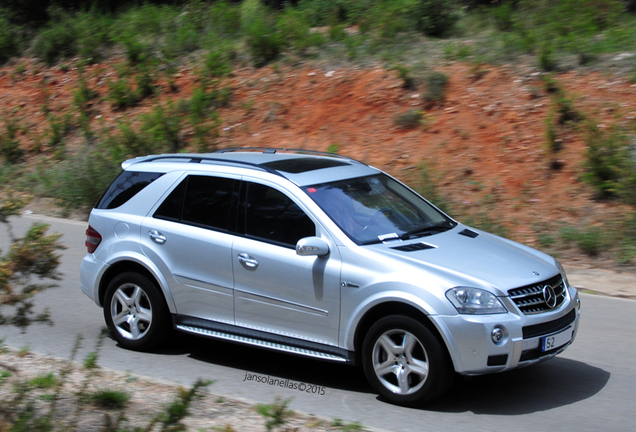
(302, 167)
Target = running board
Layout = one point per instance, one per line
(260, 343)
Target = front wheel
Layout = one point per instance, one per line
(404, 362)
(135, 312)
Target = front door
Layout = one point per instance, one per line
(277, 290)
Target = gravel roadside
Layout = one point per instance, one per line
(73, 410)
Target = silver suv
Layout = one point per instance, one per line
(323, 256)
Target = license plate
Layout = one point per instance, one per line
(554, 341)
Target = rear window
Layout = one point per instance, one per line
(126, 185)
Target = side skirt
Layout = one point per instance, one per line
(260, 339)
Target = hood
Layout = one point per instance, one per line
(481, 261)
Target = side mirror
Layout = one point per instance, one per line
(312, 246)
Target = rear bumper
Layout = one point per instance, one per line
(90, 275)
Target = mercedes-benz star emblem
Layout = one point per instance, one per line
(549, 296)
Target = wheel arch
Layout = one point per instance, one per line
(123, 266)
(382, 310)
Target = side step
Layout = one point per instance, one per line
(260, 343)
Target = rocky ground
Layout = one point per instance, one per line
(484, 146)
(148, 400)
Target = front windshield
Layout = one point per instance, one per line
(377, 208)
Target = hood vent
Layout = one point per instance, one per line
(414, 247)
(469, 233)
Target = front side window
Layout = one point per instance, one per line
(272, 216)
(377, 208)
(202, 201)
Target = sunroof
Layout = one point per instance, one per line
(301, 165)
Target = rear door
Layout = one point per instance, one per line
(190, 235)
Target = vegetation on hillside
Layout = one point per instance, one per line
(150, 41)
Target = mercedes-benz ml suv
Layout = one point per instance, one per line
(323, 256)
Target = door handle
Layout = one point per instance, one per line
(157, 237)
(247, 260)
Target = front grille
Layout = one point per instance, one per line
(531, 299)
(549, 327)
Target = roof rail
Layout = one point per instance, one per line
(195, 158)
(272, 150)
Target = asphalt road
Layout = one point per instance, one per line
(590, 387)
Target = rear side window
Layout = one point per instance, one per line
(201, 200)
(124, 187)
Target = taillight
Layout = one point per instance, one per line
(93, 239)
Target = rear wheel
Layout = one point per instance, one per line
(135, 312)
(404, 361)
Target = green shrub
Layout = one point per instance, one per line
(145, 80)
(409, 120)
(8, 40)
(57, 40)
(295, 30)
(90, 361)
(553, 144)
(60, 127)
(179, 408)
(225, 18)
(330, 12)
(93, 35)
(436, 84)
(137, 51)
(110, 399)
(46, 381)
(391, 18)
(429, 189)
(406, 75)
(610, 165)
(276, 414)
(10, 148)
(264, 40)
(590, 240)
(163, 127)
(216, 64)
(436, 17)
(31, 260)
(83, 94)
(120, 94)
(547, 61)
(78, 181)
(503, 16)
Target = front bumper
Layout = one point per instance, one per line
(474, 352)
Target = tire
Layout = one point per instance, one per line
(136, 312)
(404, 362)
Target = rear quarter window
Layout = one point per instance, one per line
(124, 187)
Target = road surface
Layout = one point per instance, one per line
(590, 387)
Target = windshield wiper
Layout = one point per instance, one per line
(428, 230)
(417, 232)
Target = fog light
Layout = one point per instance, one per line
(497, 335)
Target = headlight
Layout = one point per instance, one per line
(474, 301)
(562, 271)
